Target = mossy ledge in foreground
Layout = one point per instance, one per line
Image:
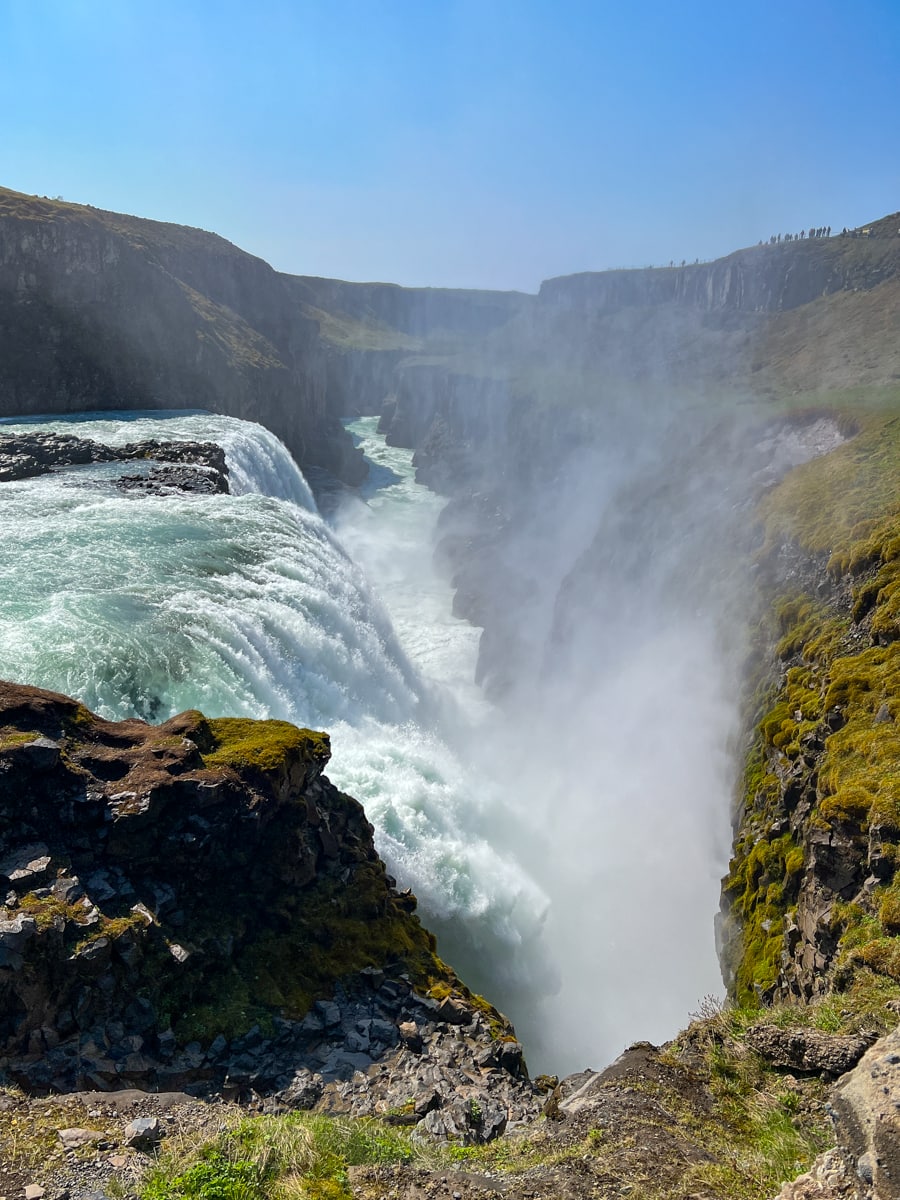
(195, 905)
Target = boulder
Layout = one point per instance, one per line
(865, 1111)
(809, 1050)
(143, 1133)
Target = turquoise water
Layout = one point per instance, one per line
(249, 604)
(566, 848)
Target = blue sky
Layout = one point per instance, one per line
(454, 143)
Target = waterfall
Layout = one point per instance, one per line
(247, 604)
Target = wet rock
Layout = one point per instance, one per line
(161, 480)
(177, 466)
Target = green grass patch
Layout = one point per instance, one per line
(834, 504)
(299, 1155)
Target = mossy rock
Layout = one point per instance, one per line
(245, 744)
(829, 729)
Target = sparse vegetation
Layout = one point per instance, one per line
(295, 1157)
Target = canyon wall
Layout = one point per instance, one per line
(102, 311)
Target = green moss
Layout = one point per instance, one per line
(243, 743)
(81, 719)
(889, 909)
(48, 911)
(15, 737)
(762, 883)
(334, 928)
(833, 505)
(847, 806)
(882, 955)
(831, 726)
(112, 928)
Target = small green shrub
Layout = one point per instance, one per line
(214, 1177)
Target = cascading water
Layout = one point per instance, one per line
(389, 530)
(588, 785)
(246, 604)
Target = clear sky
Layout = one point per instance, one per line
(484, 143)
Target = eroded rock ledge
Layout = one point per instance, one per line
(195, 906)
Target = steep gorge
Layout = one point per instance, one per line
(604, 447)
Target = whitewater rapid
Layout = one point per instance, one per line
(248, 604)
(565, 846)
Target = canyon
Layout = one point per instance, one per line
(672, 511)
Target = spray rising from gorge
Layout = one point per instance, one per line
(565, 842)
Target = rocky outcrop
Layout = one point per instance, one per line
(174, 466)
(809, 900)
(194, 906)
(865, 1110)
(807, 1050)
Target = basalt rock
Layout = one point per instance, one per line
(173, 466)
(195, 906)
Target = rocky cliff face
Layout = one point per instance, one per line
(195, 905)
(765, 279)
(102, 311)
(813, 883)
(498, 428)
